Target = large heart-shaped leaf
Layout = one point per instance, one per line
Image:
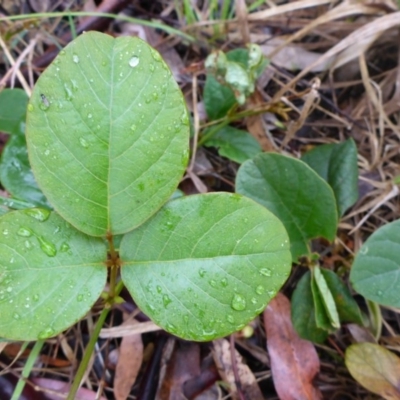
(337, 164)
(375, 272)
(289, 188)
(206, 265)
(107, 133)
(50, 274)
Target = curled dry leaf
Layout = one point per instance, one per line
(293, 359)
(375, 368)
(129, 362)
(223, 360)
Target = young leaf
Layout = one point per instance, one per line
(346, 306)
(326, 297)
(303, 311)
(376, 368)
(12, 109)
(107, 128)
(218, 99)
(234, 144)
(375, 272)
(337, 164)
(302, 200)
(204, 266)
(321, 316)
(50, 274)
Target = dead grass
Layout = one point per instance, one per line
(336, 73)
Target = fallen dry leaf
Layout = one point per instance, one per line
(223, 361)
(128, 365)
(293, 360)
(375, 368)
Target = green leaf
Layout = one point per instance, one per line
(326, 297)
(321, 316)
(107, 133)
(302, 200)
(12, 109)
(15, 172)
(337, 164)
(376, 368)
(376, 269)
(50, 274)
(346, 305)
(206, 265)
(218, 99)
(303, 311)
(235, 144)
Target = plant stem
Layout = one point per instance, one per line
(87, 355)
(27, 368)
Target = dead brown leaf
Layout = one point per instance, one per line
(294, 361)
(223, 360)
(128, 365)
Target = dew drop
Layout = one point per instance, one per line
(40, 214)
(90, 116)
(83, 143)
(47, 152)
(230, 319)
(30, 107)
(364, 250)
(213, 283)
(75, 59)
(74, 85)
(62, 53)
(24, 232)
(9, 289)
(265, 271)
(224, 282)
(155, 55)
(64, 247)
(133, 128)
(202, 272)
(260, 289)
(238, 302)
(46, 333)
(379, 293)
(151, 67)
(159, 289)
(6, 232)
(68, 92)
(253, 300)
(79, 298)
(134, 61)
(166, 300)
(16, 316)
(186, 318)
(185, 118)
(47, 247)
(28, 244)
(35, 297)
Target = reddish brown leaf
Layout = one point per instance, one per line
(128, 366)
(182, 365)
(294, 361)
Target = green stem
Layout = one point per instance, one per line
(27, 368)
(87, 354)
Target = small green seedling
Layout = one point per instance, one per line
(107, 132)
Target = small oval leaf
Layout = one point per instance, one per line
(206, 265)
(375, 272)
(376, 368)
(107, 133)
(289, 188)
(50, 274)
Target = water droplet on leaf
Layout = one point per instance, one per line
(230, 319)
(30, 107)
(46, 333)
(24, 232)
(40, 214)
(265, 271)
(47, 247)
(260, 289)
(238, 302)
(202, 272)
(83, 143)
(134, 61)
(166, 300)
(75, 59)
